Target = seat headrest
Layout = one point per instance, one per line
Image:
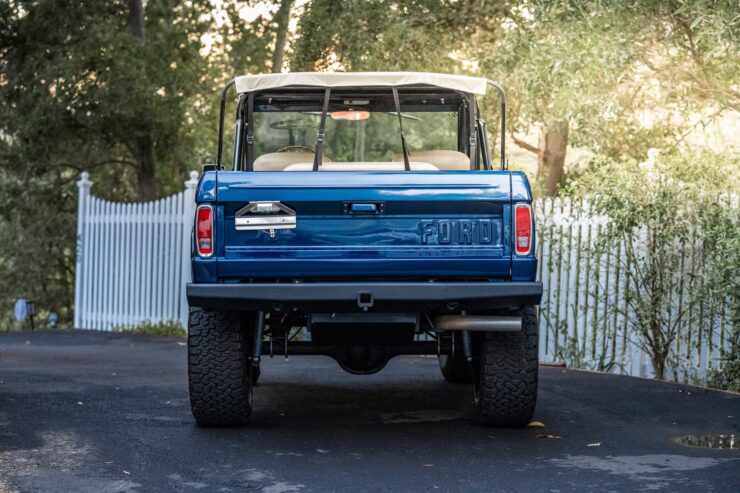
(443, 159)
(278, 161)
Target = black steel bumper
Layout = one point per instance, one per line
(358, 296)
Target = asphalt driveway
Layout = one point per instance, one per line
(83, 411)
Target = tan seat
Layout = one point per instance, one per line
(443, 159)
(349, 166)
(278, 161)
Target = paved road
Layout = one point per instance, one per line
(99, 412)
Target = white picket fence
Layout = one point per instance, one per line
(133, 260)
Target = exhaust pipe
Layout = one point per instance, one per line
(477, 323)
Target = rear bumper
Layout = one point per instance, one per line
(375, 296)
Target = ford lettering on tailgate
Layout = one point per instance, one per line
(458, 232)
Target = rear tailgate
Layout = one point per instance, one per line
(370, 225)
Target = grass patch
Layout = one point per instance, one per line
(167, 328)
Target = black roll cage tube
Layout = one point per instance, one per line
(473, 131)
(221, 122)
(495, 85)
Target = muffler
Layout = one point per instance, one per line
(477, 323)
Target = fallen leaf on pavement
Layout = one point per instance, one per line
(536, 424)
(549, 436)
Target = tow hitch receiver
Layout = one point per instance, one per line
(365, 300)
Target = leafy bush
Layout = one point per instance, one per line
(678, 224)
(721, 282)
(727, 376)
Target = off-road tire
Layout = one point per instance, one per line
(505, 374)
(219, 368)
(454, 368)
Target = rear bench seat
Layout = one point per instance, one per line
(443, 159)
(279, 161)
(302, 160)
(351, 166)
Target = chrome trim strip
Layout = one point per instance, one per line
(248, 218)
(265, 222)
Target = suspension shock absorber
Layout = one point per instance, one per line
(258, 334)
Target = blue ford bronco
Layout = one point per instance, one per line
(362, 218)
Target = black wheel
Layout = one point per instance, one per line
(454, 368)
(219, 368)
(505, 374)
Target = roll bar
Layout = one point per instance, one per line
(491, 83)
(221, 122)
(500, 90)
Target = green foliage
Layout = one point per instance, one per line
(602, 66)
(169, 328)
(727, 376)
(79, 92)
(675, 220)
(721, 285)
(389, 35)
(562, 67)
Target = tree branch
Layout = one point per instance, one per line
(282, 19)
(525, 145)
(136, 18)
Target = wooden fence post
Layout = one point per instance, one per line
(83, 200)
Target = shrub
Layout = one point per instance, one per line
(727, 376)
(660, 210)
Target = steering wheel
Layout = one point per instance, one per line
(296, 148)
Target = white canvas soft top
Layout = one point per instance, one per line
(464, 83)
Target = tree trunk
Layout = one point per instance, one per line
(146, 171)
(551, 155)
(658, 367)
(136, 18)
(282, 18)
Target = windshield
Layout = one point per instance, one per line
(362, 131)
(355, 135)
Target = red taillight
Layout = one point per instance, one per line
(523, 229)
(204, 230)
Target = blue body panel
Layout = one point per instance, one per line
(440, 225)
(520, 191)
